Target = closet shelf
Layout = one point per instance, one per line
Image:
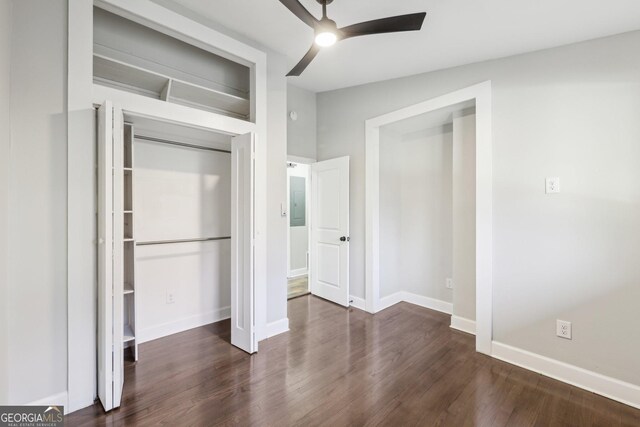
(128, 288)
(119, 75)
(128, 334)
(128, 239)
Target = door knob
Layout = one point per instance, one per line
(344, 239)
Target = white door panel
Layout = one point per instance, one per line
(242, 248)
(105, 255)
(110, 255)
(118, 255)
(329, 246)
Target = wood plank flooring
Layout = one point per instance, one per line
(339, 367)
(297, 286)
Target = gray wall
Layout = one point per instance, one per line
(301, 134)
(570, 112)
(36, 301)
(416, 212)
(464, 218)
(5, 149)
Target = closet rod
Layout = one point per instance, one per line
(165, 242)
(180, 144)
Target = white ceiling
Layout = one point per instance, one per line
(456, 32)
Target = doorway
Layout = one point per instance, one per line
(176, 236)
(481, 95)
(318, 229)
(298, 229)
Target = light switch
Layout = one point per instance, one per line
(552, 185)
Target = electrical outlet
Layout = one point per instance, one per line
(171, 297)
(563, 329)
(552, 185)
(449, 283)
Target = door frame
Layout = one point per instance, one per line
(82, 95)
(481, 94)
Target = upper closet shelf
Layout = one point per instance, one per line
(119, 75)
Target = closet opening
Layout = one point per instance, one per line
(428, 179)
(427, 212)
(176, 238)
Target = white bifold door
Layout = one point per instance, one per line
(111, 243)
(329, 243)
(110, 258)
(242, 243)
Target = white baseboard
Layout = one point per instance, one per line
(277, 327)
(426, 302)
(430, 303)
(181, 325)
(297, 273)
(357, 302)
(389, 300)
(59, 399)
(611, 388)
(463, 324)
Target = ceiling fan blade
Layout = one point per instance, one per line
(305, 61)
(299, 10)
(411, 22)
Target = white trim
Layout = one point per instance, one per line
(58, 399)
(389, 300)
(181, 325)
(81, 212)
(301, 160)
(463, 324)
(481, 93)
(81, 290)
(426, 302)
(156, 109)
(278, 327)
(420, 300)
(357, 302)
(612, 388)
(298, 273)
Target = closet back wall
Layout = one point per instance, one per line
(181, 193)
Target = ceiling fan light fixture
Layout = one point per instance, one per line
(326, 38)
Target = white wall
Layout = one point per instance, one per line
(298, 235)
(181, 193)
(37, 282)
(464, 218)
(569, 112)
(5, 150)
(301, 133)
(416, 212)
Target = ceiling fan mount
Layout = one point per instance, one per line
(327, 32)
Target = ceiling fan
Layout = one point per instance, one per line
(328, 33)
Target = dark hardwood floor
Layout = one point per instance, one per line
(338, 367)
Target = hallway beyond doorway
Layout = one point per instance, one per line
(297, 286)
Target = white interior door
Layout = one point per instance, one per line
(242, 243)
(110, 264)
(329, 245)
